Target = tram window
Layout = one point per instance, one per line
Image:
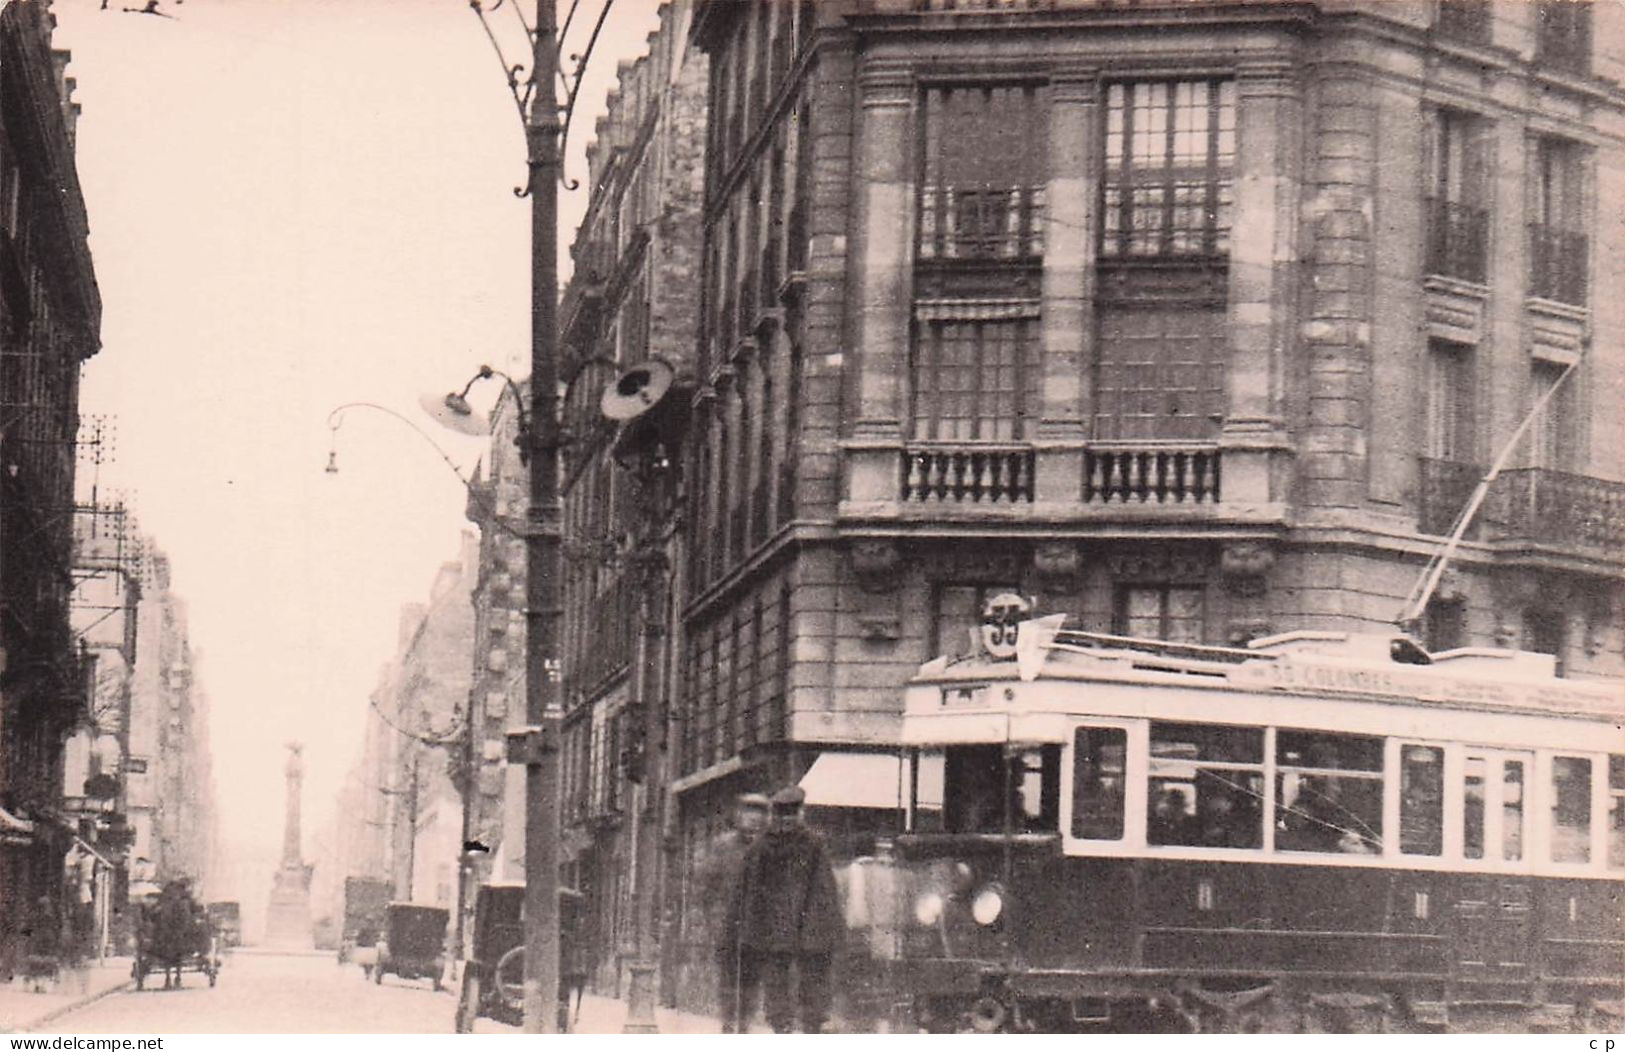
(980, 779)
(928, 787)
(1512, 810)
(1421, 800)
(1097, 782)
(1328, 793)
(1616, 812)
(1472, 823)
(1205, 786)
(1571, 809)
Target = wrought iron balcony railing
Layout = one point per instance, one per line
(1557, 264)
(1159, 474)
(1458, 240)
(968, 474)
(992, 224)
(1557, 508)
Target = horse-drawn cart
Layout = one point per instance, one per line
(174, 936)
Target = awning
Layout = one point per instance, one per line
(854, 779)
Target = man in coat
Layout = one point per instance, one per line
(789, 919)
(719, 886)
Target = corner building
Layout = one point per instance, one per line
(1192, 320)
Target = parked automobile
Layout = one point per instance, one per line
(414, 943)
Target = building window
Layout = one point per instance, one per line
(1097, 782)
(1563, 35)
(1445, 627)
(1559, 249)
(1553, 438)
(1328, 792)
(1571, 809)
(1205, 785)
(974, 378)
(1465, 20)
(983, 172)
(1170, 151)
(1159, 372)
(1458, 222)
(1449, 416)
(1159, 611)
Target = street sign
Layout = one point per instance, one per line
(135, 765)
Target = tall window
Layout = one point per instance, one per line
(1159, 611)
(1571, 809)
(1170, 151)
(1563, 35)
(1552, 439)
(1466, 20)
(1098, 755)
(974, 377)
(1159, 372)
(1449, 418)
(1558, 245)
(1421, 800)
(984, 165)
(1458, 222)
(1616, 812)
(1445, 625)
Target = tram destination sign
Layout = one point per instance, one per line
(1428, 686)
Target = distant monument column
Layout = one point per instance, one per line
(287, 922)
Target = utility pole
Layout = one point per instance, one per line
(537, 745)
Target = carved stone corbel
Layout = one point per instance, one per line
(877, 564)
(1058, 564)
(1245, 567)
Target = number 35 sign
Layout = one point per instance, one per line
(1000, 618)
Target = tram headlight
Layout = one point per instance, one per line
(987, 905)
(928, 909)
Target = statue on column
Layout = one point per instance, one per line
(287, 923)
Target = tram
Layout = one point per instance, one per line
(1316, 831)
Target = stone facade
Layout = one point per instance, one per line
(50, 320)
(1200, 327)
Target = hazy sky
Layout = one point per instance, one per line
(295, 204)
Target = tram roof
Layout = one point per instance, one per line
(1371, 665)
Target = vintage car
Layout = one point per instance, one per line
(414, 943)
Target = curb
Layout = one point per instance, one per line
(57, 1013)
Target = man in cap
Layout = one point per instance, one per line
(789, 918)
(719, 884)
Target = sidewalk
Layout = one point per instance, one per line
(606, 1015)
(23, 1009)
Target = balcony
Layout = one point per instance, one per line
(968, 474)
(1557, 264)
(1158, 474)
(1002, 224)
(1458, 240)
(1539, 504)
(1527, 505)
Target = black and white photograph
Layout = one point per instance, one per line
(758, 517)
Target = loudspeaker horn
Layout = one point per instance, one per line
(636, 390)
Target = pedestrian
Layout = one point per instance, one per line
(790, 920)
(719, 889)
